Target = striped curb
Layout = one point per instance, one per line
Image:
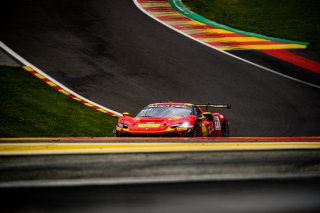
(161, 140)
(163, 12)
(55, 84)
(88, 148)
(223, 39)
(178, 5)
(65, 92)
(79, 145)
(294, 59)
(271, 46)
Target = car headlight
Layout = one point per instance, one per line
(122, 126)
(181, 125)
(184, 124)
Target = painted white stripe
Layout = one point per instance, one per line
(224, 52)
(26, 63)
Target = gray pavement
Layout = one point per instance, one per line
(5, 60)
(239, 182)
(265, 196)
(92, 169)
(111, 53)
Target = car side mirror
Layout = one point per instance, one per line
(126, 114)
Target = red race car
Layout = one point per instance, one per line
(174, 120)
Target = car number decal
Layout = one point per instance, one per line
(217, 123)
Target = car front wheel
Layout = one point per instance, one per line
(196, 129)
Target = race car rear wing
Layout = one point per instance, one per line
(225, 106)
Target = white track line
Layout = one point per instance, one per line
(26, 63)
(224, 52)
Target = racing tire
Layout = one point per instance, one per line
(225, 129)
(196, 129)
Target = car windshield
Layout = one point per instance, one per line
(165, 111)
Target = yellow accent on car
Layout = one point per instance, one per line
(204, 131)
(182, 128)
(169, 129)
(148, 125)
(123, 129)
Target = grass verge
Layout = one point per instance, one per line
(294, 20)
(31, 108)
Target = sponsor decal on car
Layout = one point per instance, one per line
(148, 125)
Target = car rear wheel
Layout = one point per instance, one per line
(225, 129)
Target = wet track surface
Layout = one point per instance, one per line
(111, 53)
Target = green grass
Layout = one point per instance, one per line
(31, 108)
(294, 19)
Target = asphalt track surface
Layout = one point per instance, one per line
(113, 54)
(293, 196)
(161, 167)
(247, 181)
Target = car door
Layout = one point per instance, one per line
(206, 123)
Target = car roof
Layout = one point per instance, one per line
(171, 104)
